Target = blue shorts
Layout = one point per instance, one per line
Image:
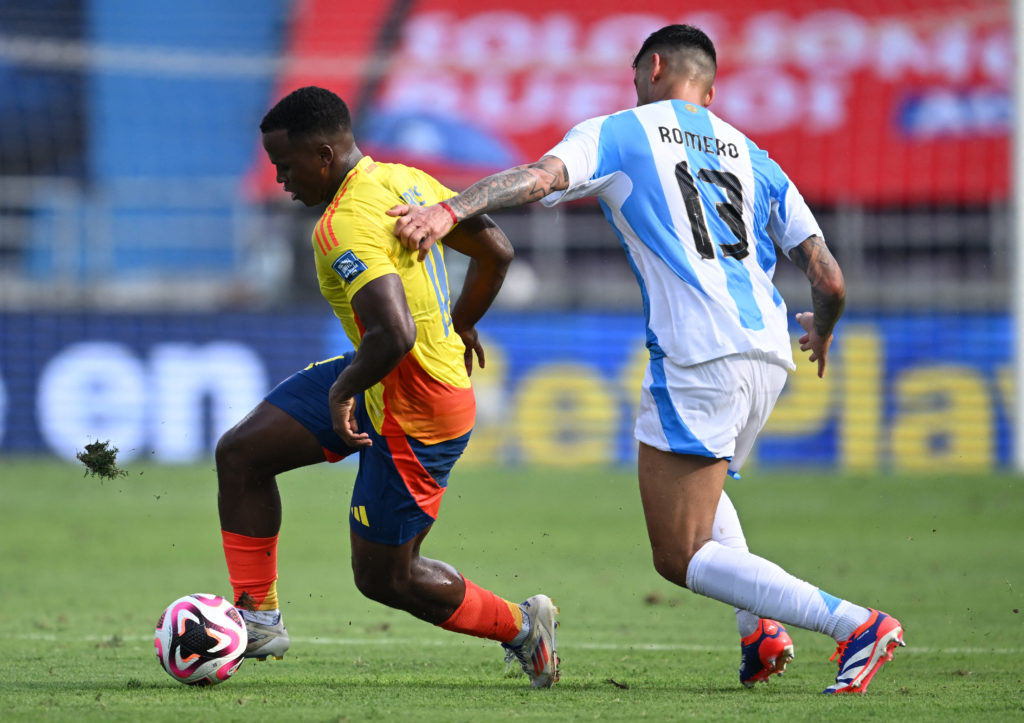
(400, 482)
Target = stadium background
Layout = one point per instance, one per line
(153, 284)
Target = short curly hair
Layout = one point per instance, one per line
(308, 111)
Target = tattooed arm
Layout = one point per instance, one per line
(828, 297)
(514, 187)
(418, 227)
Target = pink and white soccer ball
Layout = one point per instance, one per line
(200, 639)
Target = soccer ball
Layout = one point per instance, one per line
(200, 639)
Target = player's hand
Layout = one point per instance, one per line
(472, 342)
(419, 227)
(343, 419)
(811, 341)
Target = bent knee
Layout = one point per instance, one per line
(242, 459)
(365, 582)
(377, 584)
(671, 570)
(231, 447)
(673, 564)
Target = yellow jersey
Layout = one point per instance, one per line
(428, 396)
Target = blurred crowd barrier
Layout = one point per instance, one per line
(132, 177)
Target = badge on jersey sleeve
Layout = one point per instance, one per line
(348, 266)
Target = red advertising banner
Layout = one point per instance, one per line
(906, 101)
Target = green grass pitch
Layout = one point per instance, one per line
(87, 565)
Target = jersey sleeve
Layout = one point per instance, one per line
(360, 256)
(579, 152)
(790, 221)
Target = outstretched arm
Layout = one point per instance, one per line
(828, 297)
(418, 227)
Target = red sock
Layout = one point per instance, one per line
(252, 570)
(485, 615)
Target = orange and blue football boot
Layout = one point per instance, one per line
(765, 652)
(864, 652)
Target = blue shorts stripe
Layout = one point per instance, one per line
(680, 438)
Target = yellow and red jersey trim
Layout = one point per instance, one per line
(323, 232)
(423, 407)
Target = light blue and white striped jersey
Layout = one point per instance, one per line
(698, 208)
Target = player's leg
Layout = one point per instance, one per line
(871, 643)
(866, 637)
(765, 646)
(267, 442)
(291, 428)
(431, 590)
(728, 531)
(679, 494)
(434, 591)
(395, 501)
(249, 456)
(730, 575)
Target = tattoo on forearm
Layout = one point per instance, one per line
(514, 187)
(814, 258)
(827, 310)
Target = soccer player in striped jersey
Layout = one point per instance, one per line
(402, 400)
(699, 209)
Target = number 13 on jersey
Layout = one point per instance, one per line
(730, 210)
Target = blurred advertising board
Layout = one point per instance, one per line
(924, 391)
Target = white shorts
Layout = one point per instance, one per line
(713, 409)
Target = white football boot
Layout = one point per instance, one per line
(266, 637)
(538, 655)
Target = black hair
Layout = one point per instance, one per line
(695, 44)
(308, 111)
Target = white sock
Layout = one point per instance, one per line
(752, 583)
(263, 617)
(728, 531)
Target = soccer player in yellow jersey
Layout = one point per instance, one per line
(402, 400)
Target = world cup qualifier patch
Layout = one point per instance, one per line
(348, 266)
